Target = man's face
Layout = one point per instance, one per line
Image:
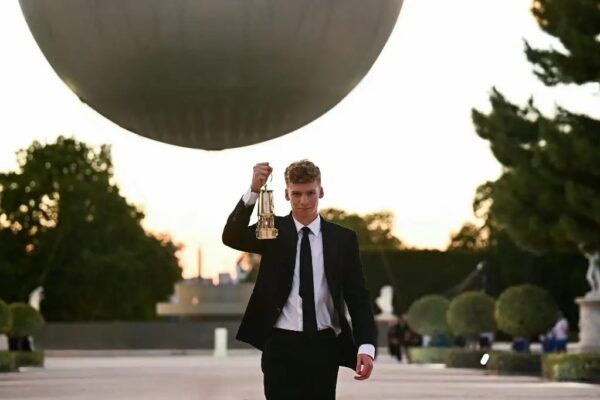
(304, 198)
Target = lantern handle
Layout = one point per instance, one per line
(267, 181)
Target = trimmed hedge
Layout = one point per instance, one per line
(8, 362)
(506, 362)
(29, 358)
(428, 355)
(584, 367)
(427, 315)
(463, 358)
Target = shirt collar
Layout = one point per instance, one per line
(315, 226)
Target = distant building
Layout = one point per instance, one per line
(195, 299)
(198, 298)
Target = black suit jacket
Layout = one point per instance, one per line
(343, 271)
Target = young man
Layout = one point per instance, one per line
(307, 274)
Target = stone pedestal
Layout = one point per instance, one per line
(589, 323)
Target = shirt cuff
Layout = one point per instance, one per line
(249, 198)
(367, 349)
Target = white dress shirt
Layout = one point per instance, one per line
(291, 315)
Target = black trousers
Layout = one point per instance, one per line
(300, 367)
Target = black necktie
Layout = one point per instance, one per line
(307, 291)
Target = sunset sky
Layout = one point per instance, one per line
(402, 140)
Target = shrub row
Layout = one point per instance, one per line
(582, 367)
(509, 363)
(10, 361)
(428, 355)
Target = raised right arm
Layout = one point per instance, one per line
(237, 234)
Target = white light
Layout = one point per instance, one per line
(484, 359)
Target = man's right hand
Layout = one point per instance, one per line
(259, 176)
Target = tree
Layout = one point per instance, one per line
(576, 23)
(470, 237)
(65, 226)
(548, 196)
(374, 230)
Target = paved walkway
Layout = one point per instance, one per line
(238, 377)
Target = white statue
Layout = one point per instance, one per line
(384, 301)
(36, 297)
(593, 273)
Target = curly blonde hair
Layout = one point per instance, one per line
(303, 171)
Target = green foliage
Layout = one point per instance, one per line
(29, 358)
(505, 362)
(5, 318)
(26, 320)
(548, 197)
(427, 315)
(469, 238)
(507, 264)
(576, 24)
(525, 311)
(65, 226)
(572, 367)
(419, 272)
(374, 230)
(415, 272)
(464, 358)
(470, 314)
(8, 362)
(428, 355)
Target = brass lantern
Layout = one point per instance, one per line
(265, 228)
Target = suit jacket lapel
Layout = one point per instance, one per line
(329, 255)
(290, 237)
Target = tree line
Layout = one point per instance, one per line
(65, 226)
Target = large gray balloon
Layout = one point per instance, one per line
(211, 74)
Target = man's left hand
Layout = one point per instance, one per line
(364, 367)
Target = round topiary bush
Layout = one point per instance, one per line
(471, 313)
(26, 320)
(427, 315)
(5, 318)
(525, 311)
